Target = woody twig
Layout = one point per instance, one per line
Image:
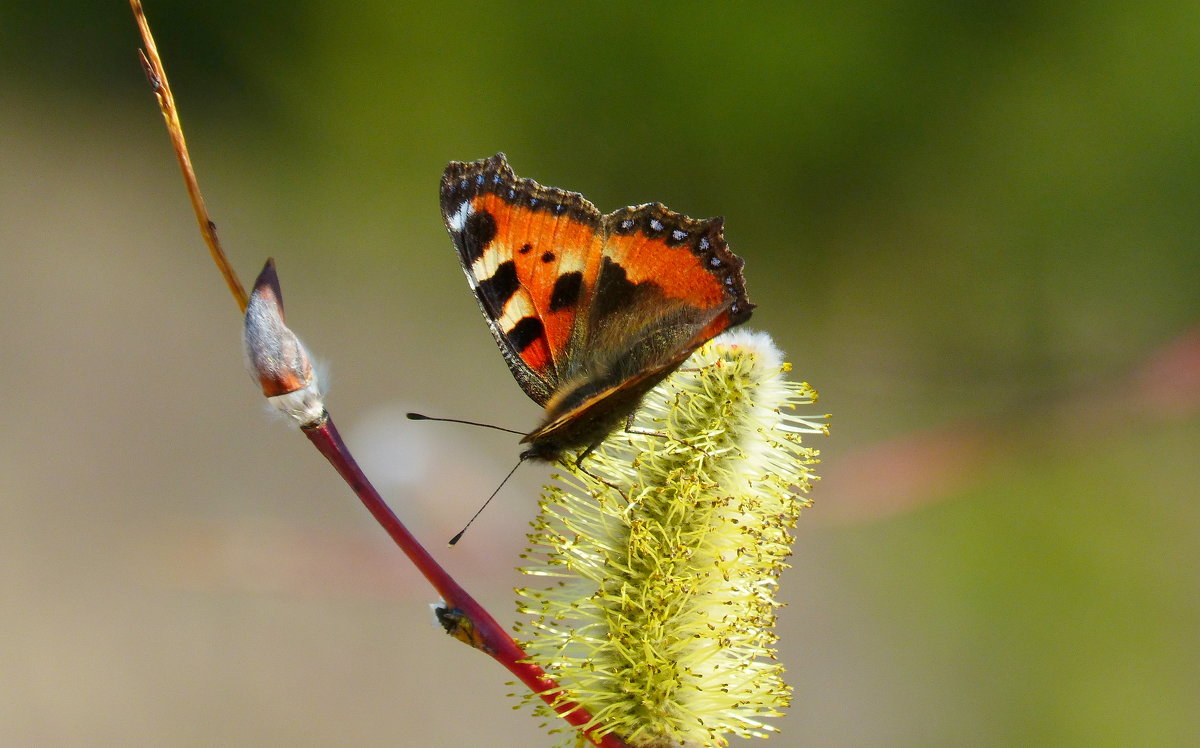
(282, 366)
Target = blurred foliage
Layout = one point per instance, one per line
(949, 210)
(1055, 605)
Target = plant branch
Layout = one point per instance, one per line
(486, 634)
(463, 617)
(157, 75)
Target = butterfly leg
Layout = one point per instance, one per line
(631, 429)
(579, 466)
(583, 456)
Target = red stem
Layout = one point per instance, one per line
(494, 639)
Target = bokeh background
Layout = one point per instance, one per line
(973, 227)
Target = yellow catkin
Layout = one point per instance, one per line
(658, 560)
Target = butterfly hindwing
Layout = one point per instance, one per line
(672, 267)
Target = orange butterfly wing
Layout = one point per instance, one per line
(528, 252)
(590, 311)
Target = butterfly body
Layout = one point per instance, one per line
(590, 310)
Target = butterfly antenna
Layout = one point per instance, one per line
(420, 417)
(458, 537)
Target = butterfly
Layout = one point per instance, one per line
(590, 310)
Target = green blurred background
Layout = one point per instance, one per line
(973, 227)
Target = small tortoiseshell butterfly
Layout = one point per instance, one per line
(590, 311)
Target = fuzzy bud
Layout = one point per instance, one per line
(276, 357)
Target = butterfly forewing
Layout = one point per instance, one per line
(515, 239)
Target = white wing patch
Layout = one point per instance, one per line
(570, 261)
(458, 221)
(517, 308)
